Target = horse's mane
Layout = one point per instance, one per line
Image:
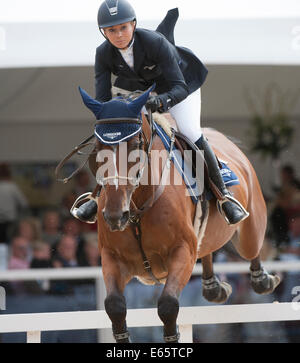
(125, 96)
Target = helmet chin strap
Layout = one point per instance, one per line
(129, 44)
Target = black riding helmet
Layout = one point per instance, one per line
(115, 12)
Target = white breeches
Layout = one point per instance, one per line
(188, 115)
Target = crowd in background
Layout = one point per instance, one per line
(52, 238)
(285, 213)
(40, 239)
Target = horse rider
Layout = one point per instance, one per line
(141, 57)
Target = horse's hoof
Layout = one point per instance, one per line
(264, 283)
(216, 291)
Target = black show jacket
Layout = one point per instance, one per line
(176, 71)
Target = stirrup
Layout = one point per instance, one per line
(230, 198)
(83, 198)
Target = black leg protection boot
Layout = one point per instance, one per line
(231, 209)
(87, 212)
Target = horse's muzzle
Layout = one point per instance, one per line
(116, 221)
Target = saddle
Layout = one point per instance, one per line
(167, 122)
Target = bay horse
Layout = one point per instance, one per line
(152, 237)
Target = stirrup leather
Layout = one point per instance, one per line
(83, 198)
(230, 198)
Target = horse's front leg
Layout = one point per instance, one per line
(115, 303)
(180, 266)
(213, 290)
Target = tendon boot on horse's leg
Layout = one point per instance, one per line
(231, 209)
(262, 282)
(115, 306)
(168, 308)
(213, 289)
(87, 212)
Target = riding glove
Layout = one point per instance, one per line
(154, 104)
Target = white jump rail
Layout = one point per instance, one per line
(96, 272)
(34, 324)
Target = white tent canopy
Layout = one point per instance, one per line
(65, 33)
(47, 50)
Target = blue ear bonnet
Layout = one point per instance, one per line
(116, 132)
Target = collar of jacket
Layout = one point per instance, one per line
(138, 55)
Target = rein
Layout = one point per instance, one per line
(136, 215)
(76, 150)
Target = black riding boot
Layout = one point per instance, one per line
(231, 209)
(87, 212)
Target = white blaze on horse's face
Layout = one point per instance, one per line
(120, 176)
(116, 180)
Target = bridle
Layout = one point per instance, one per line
(136, 213)
(134, 181)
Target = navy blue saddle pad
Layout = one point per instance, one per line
(185, 171)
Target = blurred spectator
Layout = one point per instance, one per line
(41, 256)
(65, 257)
(288, 177)
(73, 227)
(20, 254)
(83, 183)
(51, 227)
(91, 249)
(12, 202)
(66, 252)
(30, 229)
(295, 234)
(287, 206)
(67, 203)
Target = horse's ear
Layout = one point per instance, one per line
(94, 105)
(137, 105)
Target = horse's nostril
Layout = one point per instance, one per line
(116, 221)
(125, 216)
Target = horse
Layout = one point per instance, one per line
(147, 230)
